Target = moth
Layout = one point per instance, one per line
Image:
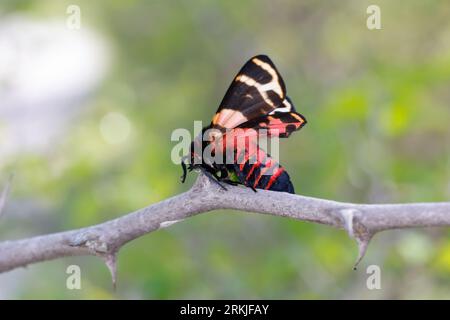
(254, 105)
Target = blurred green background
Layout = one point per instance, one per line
(378, 106)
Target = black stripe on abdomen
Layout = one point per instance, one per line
(281, 183)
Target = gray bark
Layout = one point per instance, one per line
(361, 221)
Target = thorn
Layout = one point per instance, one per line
(363, 243)
(5, 193)
(111, 263)
(356, 231)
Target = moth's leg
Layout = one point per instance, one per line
(242, 178)
(213, 177)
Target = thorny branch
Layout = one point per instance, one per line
(361, 221)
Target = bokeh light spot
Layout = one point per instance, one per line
(115, 128)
